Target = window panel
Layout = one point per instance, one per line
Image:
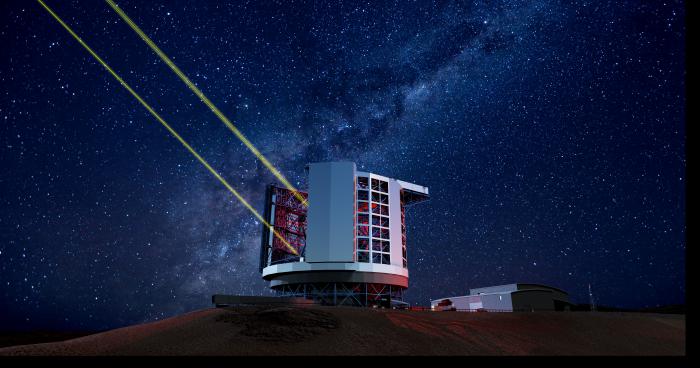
(376, 245)
(363, 257)
(383, 233)
(362, 207)
(386, 259)
(362, 182)
(380, 221)
(380, 197)
(363, 231)
(363, 219)
(372, 208)
(385, 246)
(380, 185)
(363, 243)
(362, 195)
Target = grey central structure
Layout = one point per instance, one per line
(353, 249)
(330, 232)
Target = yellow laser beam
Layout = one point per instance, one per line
(168, 127)
(206, 101)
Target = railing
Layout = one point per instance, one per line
(452, 309)
(479, 310)
(449, 309)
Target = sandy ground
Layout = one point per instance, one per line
(319, 330)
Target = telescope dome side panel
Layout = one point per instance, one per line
(330, 235)
(395, 223)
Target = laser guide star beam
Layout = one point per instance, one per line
(167, 126)
(207, 102)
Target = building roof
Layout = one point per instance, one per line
(506, 289)
(542, 286)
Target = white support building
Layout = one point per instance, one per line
(507, 298)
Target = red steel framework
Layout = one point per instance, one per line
(287, 215)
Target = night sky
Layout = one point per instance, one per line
(551, 136)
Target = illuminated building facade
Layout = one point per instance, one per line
(350, 240)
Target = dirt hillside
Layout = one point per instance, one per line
(319, 330)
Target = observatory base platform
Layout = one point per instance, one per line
(347, 284)
(344, 293)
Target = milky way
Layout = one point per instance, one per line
(551, 136)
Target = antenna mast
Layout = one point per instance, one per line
(591, 300)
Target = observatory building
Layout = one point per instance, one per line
(350, 241)
(507, 298)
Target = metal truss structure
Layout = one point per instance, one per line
(287, 216)
(344, 293)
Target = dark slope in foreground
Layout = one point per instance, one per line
(355, 331)
(12, 338)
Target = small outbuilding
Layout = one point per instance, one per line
(507, 298)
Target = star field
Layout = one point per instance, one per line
(551, 136)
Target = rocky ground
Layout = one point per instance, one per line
(316, 330)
